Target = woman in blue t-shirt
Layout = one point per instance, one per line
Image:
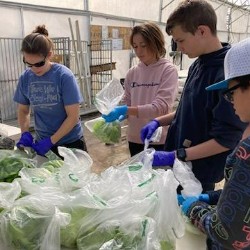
(51, 91)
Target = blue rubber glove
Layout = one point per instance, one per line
(118, 113)
(148, 130)
(163, 158)
(43, 146)
(26, 140)
(180, 199)
(187, 203)
(204, 197)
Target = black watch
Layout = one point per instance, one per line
(181, 154)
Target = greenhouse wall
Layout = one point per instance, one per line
(67, 4)
(115, 14)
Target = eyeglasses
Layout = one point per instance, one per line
(37, 65)
(228, 94)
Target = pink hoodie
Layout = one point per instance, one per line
(153, 89)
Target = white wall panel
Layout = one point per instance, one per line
(139, 9)
(57, 24)
(69, 4)
(108, 21)
(13, 28)
(110, 13)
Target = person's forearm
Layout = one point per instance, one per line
(165, 120)
(133, 111)
(68, 124)
(64, 129)
(24, 121)
(204, 149)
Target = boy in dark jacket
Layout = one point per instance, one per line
(204, 128)
(227, 224)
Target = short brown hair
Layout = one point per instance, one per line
(153, 36)
(37, 42)
(190, 14)
(243, 80)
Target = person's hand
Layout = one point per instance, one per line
(204, 197)
(118, 113)
(187, 203)
(26, 140)
(180, 199)
(163, 158)
(43, 146)
(148, 130)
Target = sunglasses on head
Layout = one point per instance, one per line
(37, 65)
(228, 94)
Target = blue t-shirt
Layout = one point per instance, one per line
(48, 95)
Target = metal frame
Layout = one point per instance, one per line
(101, 65)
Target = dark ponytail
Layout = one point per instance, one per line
(38, 42)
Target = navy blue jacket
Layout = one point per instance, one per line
(203, 115)
(227, 224)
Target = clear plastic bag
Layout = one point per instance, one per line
(132, 204)
(154, 138)
(107, 132)
(170, 224)
(33, 223)
(73, 173)
(123, 233)
(37, 180)
(160, 185)
(11, 162)
(184, 174)
(109, 96)
(76, 170)
(191, 187)
(9, 193)
(105, 101)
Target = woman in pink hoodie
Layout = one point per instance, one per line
(150, 86)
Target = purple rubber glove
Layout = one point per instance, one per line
(148, 130)
(118, 113)
(43, 146)
(163, 158)
(187, 203)
(26, 140)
